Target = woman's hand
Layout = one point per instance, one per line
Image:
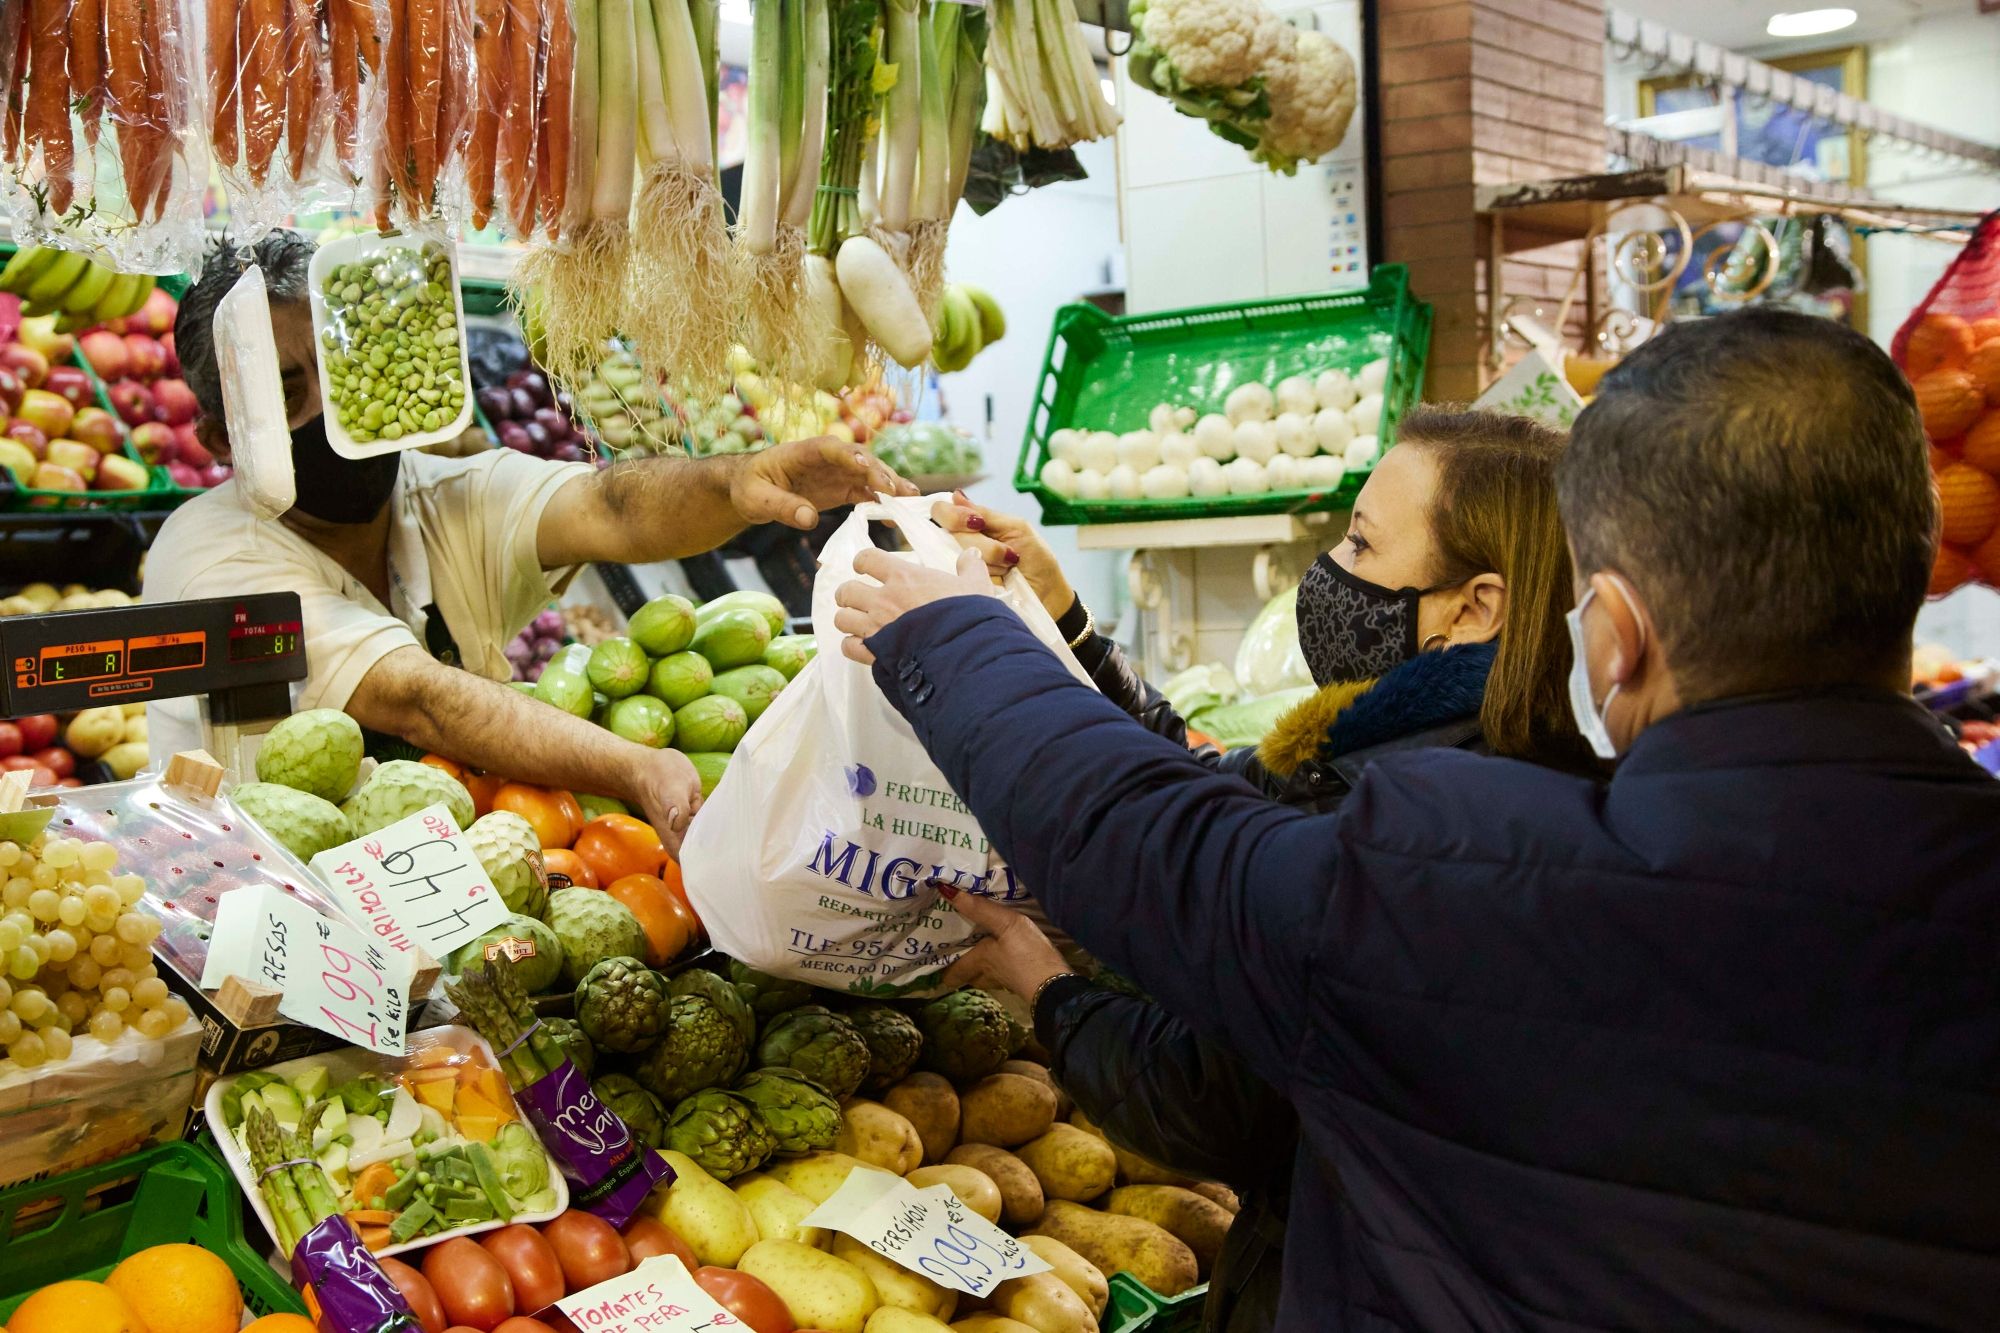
(901, 585)
(1014, 955)
(1006, 542)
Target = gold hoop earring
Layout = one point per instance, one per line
(1435, 638)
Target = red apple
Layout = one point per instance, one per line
(175, 402)
(98, 429)
(57, 760)
(33, 437)
(10, 740)
(116, 472)
(38, 730)
(133, 402)
(11, 390)
(148, 358)
(194, 453)
(18, 459)
(107, 355)
(156, 316)
(184, 476)
(70, 382)
(38, 776)
(156, 442)
(40, 334)
(55, 477)
(25, 362)
(173, 355)
(50, 413)
(75, 455)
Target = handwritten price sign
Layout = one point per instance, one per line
(414, 884)
(929, 1231)
(659, 1296)
(332, 976)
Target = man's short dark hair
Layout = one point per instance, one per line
(1762, 480)
(285, 257)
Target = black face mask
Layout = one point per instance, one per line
(1351, 629)
(333, 489)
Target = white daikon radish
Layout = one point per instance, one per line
(1123, 483)
(1294, 432)
(1366, 415)
(1362, 453)
(1247, 402)
(1374, 377)
(1332, 430)
(1091, 485)
(1100, 451)
(1215, 436)
(1335, 389)
(881, 295)
(1167, 481)
(1296, 394)
(1283, 473)
(1205, 477)
(1256, 442)
(1067, 444)
(1059, 477)
(1246, 477)
(1139, 450)
(820, 310)
(1178, 449)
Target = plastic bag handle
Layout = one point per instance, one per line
(936, 548)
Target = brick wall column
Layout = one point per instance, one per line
(1480, 92)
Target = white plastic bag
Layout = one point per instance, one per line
(812, 858)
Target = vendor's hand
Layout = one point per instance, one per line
(1015, 955)
(1004, 542)
(901, 585)
(668, 791)
(791, 483)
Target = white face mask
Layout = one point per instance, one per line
(1582, 703)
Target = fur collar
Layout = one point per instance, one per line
(1427, 691)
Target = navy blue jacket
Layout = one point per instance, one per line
(1717, 1045)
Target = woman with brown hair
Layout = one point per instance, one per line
(1437, 621)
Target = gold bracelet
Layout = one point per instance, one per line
(1089, 628)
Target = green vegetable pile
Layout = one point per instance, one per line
(391, 346)
(928, 449)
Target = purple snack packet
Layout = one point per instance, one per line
(354, 1294)
(608, 1173)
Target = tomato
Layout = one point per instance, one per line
(669, 926)
(57, 760)
(589, 1248)
(619, 845)
(649, 1236)
(747, 1298)
(10, 739)
(417, 1291)
(542, 809)
(37, 732)
(564, 862)
(470, 1283)
(530, 1263)
(670, 875)
(520, 1323)
(39, 775)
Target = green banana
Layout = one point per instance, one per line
(26, 266)
(112, 304)
(964, 316)
(141, 288)
(50, 284)
(83, 298)
(992, 321)
(77, 322)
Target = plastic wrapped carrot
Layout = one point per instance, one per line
(423, 33)
(553, 116)
(224, 16)
(489, 22)
(302, 83)
(396, 126)
(15, 32)
(158, 179)
(48, 100)
(86, 64)
(261, 57)
(455, 85)
(516, 161)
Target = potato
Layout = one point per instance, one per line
(896, 1285)
(1070, 1163)
(93, 731)
(1199, 1223)
(816, 1175)
(1021, 1199)
(878, 1136)
(1120, 1244)
(889, 1319)
(125, 760)
(1216, 1192)
(1078, 1273)
(987, 1322)
(821, 1291)
(1005, 1110)
(929, 1102)
(974, 1187)
(701, 1209)
(1041, 1074)
(1133, 1169)
(41, 596)
(1044, 1302)
(777, 1209)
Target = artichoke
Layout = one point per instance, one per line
(721, 1131)
(573, 1042)
(640, 1110)
(717, 990)
(768, 996)
(820, 1044)
(800, 1114)
(701, 1048)
(893, 1043)
(967, 1035)
(621, 1005)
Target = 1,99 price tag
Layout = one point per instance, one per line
(333, 977)
(928, 1231)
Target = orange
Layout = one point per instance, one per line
(482, 786)
(541, 809)
(1938, 342)
(619, 845)
(567, 863)
(1984, 367)
(282, 1323)
(1970, 501)
(1981, 446)
(449, 766)
(80, 1307)
(1948, 401)
(670, 874)
(179, 1287)
(1950, 571)
(668, 924)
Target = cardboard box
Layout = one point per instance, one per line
(228, 1045)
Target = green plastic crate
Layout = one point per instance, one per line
(1108, 373)
(79, 1225)
(1137, 1308)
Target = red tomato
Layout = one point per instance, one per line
(37, 732)
(747, 1298)
(10, 739)
(649, 1236)
(520, 1323)
(39, 775)
(57, 760)
(470, 1283)
(588, 1247)
(530, 1262)
(417, 1291)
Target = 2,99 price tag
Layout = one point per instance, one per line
(332, 976)
(928, 1231)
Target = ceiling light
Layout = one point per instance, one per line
(1809, 22)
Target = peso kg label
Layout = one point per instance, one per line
(930, 1231)
(332, 976)
(415, 883)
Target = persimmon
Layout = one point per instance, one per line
(542, 809)
(670, 875)
(483, 787)
(670, 927)
(562, 861)
(452, 767)
(619, 845)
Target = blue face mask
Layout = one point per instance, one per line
(1583, 704)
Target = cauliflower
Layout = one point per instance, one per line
(1208, 58)
(1311, 88)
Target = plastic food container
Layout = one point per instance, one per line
(356, 249)
(444, 1045)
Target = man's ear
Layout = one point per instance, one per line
(213, 437)
(1631, 628)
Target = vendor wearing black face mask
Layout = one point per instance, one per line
(415, 570)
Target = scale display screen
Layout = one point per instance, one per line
(255, 643)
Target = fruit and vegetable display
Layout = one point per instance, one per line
(930, 450)
(72, 288)
(58, 437)
(530, 417)
(137, 363)
(1954, 366)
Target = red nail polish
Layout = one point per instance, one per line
(948, 891)
(1013, 557)
(975, 522)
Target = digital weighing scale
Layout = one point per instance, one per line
(240, 653)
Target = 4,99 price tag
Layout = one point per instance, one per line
(414, 883)
(928, 1231)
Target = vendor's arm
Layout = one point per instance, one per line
(1187, 881)
(494, 727)
(647, 509)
